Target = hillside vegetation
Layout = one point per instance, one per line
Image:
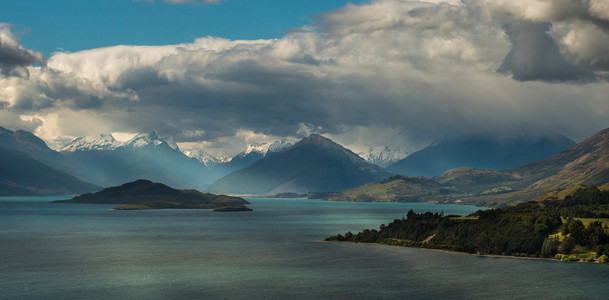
(527, 229)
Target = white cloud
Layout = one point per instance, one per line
(397, 73)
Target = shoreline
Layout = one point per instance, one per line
(466, 253)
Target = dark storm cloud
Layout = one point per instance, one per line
(13, 57)
(536, 56)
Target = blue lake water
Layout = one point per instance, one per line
(86, 251)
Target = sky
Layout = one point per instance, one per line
(218, 75)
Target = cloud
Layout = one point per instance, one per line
(390, 72)
(13, 57)
(536, 56)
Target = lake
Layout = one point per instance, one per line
(87, 251)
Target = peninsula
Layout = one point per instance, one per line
(145, 194)
(569, 224)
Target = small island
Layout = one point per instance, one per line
(568, 225)
(145, 194)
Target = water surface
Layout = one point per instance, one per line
(89, 251)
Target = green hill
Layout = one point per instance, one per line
(395, 189)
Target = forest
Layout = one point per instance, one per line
(544, 228)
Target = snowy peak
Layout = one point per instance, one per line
(278, 146)
(266, 149)
(258, 148)
(382, 156)
(205, 158)
(143, 140)
(108, 142)
(102, 142)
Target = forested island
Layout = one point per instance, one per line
(570, 225)
(144, 194)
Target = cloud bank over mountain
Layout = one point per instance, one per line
(391, 73)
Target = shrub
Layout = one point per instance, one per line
(603, 259)
(569, 258)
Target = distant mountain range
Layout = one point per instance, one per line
(586, 163)
(383, 157)
(106, 161)
(315, 164)
(252, 154)
(481, 152)
(22, 174)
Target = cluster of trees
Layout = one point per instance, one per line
(521, 230)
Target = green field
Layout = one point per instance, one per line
(587, 221)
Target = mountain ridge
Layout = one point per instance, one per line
(22, 175)
(314, 164)
(481, 152)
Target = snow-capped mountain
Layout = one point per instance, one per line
(107, 162)
(102, 142)
(383, 156)
(151, 139)
(266, 148)
(108, 142)
(206, 158)
(252, 154)
(277, 147)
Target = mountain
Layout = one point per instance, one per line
(25, 142)
(205, 158)
(144, 194)
(151, 141)
(277, 147)
(382, 157)
(586, 163)
(29, 167)
(252, 154)
(481, 152)
(108, 162)
(103, 142)
(315, 164)
(21, 175)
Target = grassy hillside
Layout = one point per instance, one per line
(395, 189)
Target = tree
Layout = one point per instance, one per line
(550, 247)
(567, 245)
